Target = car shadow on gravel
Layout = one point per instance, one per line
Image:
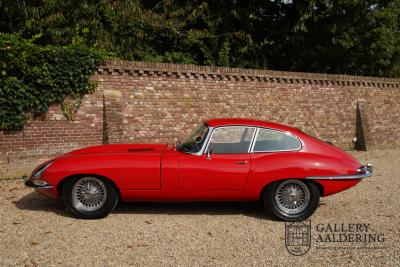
(250, 209)
(35, 201)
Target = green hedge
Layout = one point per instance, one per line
(34, 77)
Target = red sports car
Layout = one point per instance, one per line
(223, 160)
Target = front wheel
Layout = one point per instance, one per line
(89, 197)
(291, 200)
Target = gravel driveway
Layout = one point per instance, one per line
(35, 230)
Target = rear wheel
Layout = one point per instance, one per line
(89, 197)
(291, 200)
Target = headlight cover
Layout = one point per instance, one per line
(40, 171)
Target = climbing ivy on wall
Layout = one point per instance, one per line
(33, 77)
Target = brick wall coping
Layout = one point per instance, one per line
(138, 68)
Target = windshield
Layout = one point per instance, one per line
(195, 141)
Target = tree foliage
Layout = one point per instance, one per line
(33, 77)
(346, 36)
(49, 48)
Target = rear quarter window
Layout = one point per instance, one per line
(270, 140)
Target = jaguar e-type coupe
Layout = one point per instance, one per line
(222, 160)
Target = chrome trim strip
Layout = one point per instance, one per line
(366, 172)
(253, 141)
(45, 187)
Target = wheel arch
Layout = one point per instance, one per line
(65, 179)
(320, 187)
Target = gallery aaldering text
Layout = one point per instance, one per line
(347, 232)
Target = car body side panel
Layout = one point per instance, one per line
(331, 187)
(126, 170)
(218, 172)
(270, 167)
(187, 195)
(171, 190)
(50, 192)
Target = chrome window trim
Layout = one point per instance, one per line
(212, 129)
(202, 150)
(252, 140)
(273, 151)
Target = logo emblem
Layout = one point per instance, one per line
(298, 237)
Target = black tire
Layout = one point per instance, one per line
(109, 201)
(275, 209)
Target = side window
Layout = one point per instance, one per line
(231, 140)
(270, 140)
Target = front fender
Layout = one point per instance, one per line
(127, 171)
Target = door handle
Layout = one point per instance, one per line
(241, 162)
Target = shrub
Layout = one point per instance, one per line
(34, 77)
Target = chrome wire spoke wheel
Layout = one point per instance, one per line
(89, 194)
(292, 196)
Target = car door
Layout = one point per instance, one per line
(227, 165)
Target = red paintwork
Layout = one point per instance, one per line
(159, 172)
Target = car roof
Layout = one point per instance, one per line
(249, 122)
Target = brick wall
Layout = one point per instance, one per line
(51, 135)
(151, 102)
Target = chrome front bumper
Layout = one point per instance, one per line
(363, 172)
(37, 184)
